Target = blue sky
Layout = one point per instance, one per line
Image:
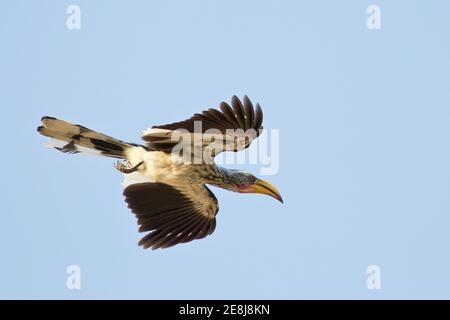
(364, 155)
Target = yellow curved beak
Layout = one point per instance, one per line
(263, 187)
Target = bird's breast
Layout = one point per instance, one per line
(170, 169)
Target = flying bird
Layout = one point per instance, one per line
(167, 190)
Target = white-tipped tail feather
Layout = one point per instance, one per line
(74, 138)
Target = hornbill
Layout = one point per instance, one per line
(165, 184)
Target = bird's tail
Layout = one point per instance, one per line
(73, 138)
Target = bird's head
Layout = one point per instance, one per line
(244, 182)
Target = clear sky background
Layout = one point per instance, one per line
(364, 146)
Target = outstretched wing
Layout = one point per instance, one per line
(173, 215)
(237, 125)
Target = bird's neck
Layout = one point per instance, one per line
(221, 177)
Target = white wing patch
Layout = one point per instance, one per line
(157, 133)
(135, 177)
